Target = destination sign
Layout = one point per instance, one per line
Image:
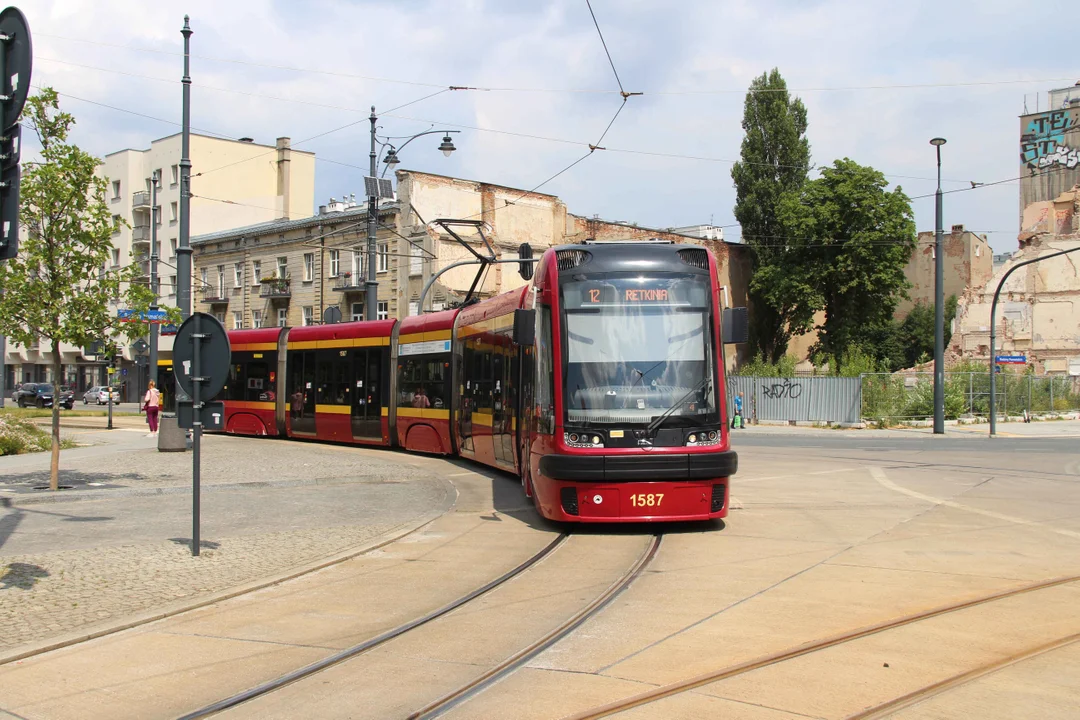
(655, 291)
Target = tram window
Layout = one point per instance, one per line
(325, 394)
(257, 381)
(545, 375)
(484, 383)
(342, 373)
(430, 372)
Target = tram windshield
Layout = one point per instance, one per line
(636, 346)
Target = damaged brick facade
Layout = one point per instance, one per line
(969, 263)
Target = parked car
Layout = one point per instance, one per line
(41, 395)
(100, 394)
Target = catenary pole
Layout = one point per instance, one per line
(371, 301)
(993, 330)
(154, 180)
(939, 304)
(183, 251)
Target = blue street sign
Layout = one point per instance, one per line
(154, 316)
(123, 371)
(1011, 359)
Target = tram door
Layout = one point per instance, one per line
(499, 412)
(367, 400)
(302, 392)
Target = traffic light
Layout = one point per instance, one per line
(16, 60)
(525, 269)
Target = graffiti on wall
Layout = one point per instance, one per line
(1042, 144)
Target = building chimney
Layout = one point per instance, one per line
(957, 229)
(284, 175)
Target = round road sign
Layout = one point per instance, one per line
(214, 355)
(20, 58)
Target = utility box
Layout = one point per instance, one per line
(171, 437)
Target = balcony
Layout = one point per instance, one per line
(349, 283)
(213, 295)
(142, 266)
(275, 288)
(140, 201)
(140, 235)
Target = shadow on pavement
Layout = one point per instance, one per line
(73, 478)
(186, 542)
(22, 576)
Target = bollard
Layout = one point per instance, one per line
(171, 437)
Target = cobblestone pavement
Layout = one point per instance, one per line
(112, 553)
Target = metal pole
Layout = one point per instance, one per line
(971, 393)
(939, 312)
(155, 179)
(371, 302)
(1029, 397)
(196, 431)
(183, 252)
(993, 330)
(3, 369)
(1051, 393)
(109, 387)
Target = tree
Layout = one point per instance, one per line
(775, 159)
(57, 288)
(916, 331)
(850, 240)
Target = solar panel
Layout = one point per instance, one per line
(379, 187)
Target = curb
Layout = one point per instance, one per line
(180, 607)
(109, 493)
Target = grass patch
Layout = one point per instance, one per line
(27, 413)
(21, 435)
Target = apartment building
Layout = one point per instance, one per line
(234, 183)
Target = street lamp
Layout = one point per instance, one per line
(371, 301)
(939, 306)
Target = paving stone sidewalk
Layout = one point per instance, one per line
(113, 553)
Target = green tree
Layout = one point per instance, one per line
(774, 159)
(57, 288)
(849, 242)
(916, 331)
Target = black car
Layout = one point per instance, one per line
(41, 395)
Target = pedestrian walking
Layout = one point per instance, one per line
(152, 406)
(737, 421)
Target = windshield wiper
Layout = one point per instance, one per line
(667, 413)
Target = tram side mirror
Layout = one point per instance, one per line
(525, 269)
(524, 327)
(736, 326)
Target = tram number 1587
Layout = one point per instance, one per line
(646, 499)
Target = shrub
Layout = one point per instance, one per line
(18, 435)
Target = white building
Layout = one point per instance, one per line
(233, 183)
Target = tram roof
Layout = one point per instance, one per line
(257, 335)
(341, 331)
(428, 322)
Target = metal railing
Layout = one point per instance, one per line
(140, 234)
(213, 294)
(140, 200)
(347, 282)
(275, 288)
(967, 394)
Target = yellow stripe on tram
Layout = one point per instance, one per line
(333, 409)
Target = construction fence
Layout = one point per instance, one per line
(911, 396)
(798, 399)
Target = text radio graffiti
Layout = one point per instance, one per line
(779, 391)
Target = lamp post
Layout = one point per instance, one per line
(371, 298)
(939, 305)
(154, 180)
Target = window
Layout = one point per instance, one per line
(335, 263)
(384, 258)
(309, 266)
(256, 318)
(115, 189)
(357, 311)
(220, 317)
(357, 265)
(172, 214)
(221, 281)
(383, 310)
(414, 308)
(545, 373)
(416, 259)
(282, 316)
(283, 267)
(204, 277)
(237, 320)
(149, 185)
(309, 315)
(256, 271)
(238, 274)
(172, 284)
(115, 256)
(116, 224)
(157, 215)
(172, 245)
(175, 174)
(157, 248)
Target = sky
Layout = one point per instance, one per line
(878, 80)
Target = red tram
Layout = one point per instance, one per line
(600, 384)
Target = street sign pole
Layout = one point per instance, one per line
(152, 373)
(196, 431)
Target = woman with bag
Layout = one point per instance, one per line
(152, 405)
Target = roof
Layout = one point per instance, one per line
(208, 137)
(273, 227)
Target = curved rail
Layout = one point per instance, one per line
(805, 649)
(918, 696)
(518, 659)
(295, 675)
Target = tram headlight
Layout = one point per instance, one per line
(692, 438)
(595, 439)
(573, 437)
(712, 434)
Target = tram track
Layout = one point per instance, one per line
(365, 646)
(777, 658)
